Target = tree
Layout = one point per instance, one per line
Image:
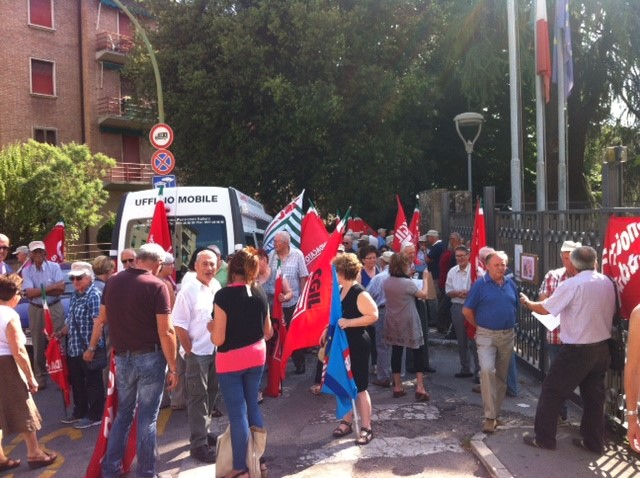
(41, 184)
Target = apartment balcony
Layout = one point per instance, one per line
(112, 47)
(131, 174)
(122, 113)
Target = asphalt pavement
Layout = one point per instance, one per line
(437, 438)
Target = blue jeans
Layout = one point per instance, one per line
(139, 381)
(240, 393)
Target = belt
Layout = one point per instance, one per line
(133, 353)
(39, 306)
(587, 345)
(381, 306)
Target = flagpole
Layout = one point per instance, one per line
(562, 125)
(355, 417)
(541, 99)
(515, 107)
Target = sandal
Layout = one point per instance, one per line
(423, 396)
(239, 474)
(366, 435)
(9, 464)
(340, 432)
(315, 388)
(41, 463)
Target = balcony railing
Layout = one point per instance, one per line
(122, 112)
(130, 173)
(113, 47)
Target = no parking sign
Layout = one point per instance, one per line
(162, 161)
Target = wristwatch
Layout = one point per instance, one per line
(91, 349)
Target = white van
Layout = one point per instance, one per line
(198, 217)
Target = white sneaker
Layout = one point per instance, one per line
(86, 423)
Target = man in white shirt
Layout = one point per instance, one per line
(191, 314)
(585, 303)
(456, 287)
(4, 252)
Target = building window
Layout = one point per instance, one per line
(45, 135)
(41, 13)
(42, 77)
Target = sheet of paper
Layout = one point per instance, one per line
(551, 322)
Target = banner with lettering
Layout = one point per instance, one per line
(621, 259)
(401, 232)
(312, 311)
(314, 238)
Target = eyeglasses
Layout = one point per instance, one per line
(4, 248)
(460, 256)
(78, 277)
(20, 293)
(130, 261)
(345, 243)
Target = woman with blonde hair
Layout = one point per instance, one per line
(18, 412)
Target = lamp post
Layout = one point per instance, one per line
(471, 120)
(613, 158)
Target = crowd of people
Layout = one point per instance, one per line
(184, 345)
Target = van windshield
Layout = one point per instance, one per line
(188, 233)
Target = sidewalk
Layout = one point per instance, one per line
(504, 453)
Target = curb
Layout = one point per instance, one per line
(490, 461)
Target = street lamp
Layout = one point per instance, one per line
(613, 158)
(471, 120)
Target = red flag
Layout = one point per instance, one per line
(478, 241)
(109, 415)
(543, 57)
(54, 243)
(357, 224)
(276, 343)
(620, 253)
(55, 358)
(314, 238)
(401, 232)
(414, 229)
(159, 232)
(312, 311)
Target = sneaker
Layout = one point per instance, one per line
(86, 423)
(68, 420)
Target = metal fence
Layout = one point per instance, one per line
(541, 234)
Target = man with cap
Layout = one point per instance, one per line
(22, 254)
(4, 252)
(375, 288)
(42, 274)
(86, 383)
(550, 283)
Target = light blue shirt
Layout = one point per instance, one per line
(48, 274)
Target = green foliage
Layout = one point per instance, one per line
(41, 184)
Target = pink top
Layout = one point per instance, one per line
(234, 360)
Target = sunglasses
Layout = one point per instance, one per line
(4, 248)
(78, 277)
(124, 261)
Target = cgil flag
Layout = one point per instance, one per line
(337, 378)
(108, 416)
(414, 229)
(620, 253)
(543, 62)
(54, 243)
(311, 315)
(359, 225)
(290, 220)
(314, 238)
(401, 232)
(478, 241)
(562, 39)
(159, 233)
(55, 359)
(275, 345)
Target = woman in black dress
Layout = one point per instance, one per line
(359, 310)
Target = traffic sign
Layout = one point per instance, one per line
(163, 162)
(168, 181)
(161, 136)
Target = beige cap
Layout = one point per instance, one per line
(433, 232)
(81, 268)
(34, 245)
(21, 249)
(386, 256)
(568, 246)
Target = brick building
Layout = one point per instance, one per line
(61, 82)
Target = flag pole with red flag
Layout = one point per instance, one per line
(55, 358)
(401, 232)
(276, 343)
(54, 243)
(478, 241)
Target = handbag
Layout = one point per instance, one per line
(255, 450)
(616, 342)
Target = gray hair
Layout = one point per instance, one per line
(584, 258)
(208, 252)
(284, 235)
(151, 252)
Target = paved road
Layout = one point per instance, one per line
(411, 439)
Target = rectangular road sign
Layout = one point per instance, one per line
(168, 181)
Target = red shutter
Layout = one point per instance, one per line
(125, 28)
(40, 13)
(130, 149)
(42, 77)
